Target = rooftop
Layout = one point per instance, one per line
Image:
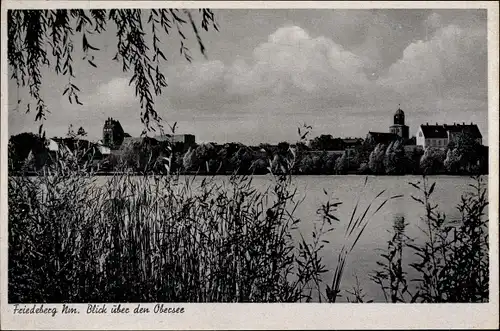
(471, 129)
(434, 131)
(441, 130)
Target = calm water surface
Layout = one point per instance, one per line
(362, 260)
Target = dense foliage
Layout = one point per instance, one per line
(148, 155)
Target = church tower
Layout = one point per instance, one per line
(112, 133)
(399, 126)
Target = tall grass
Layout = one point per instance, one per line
(454, 262)
(150, 238)
(451, 264)
(153, 238)
(165, 238)
(391, 276)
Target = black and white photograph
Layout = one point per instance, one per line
(163, 156)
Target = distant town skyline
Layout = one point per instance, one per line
(344, 72)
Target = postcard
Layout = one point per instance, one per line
(249, 165)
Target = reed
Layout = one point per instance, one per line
(172, 238)
(156, 238)
(355, 228)
(451, 264)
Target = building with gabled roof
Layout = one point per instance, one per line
(470, 129)
(440, 135)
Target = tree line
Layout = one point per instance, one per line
(30, 152)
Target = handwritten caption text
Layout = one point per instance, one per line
(95, 309)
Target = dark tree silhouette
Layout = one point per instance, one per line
(33, 34)
(24, 144)
(327, 143)
(81, 132)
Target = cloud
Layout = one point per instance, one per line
(294, 72)
(453, 58)
(433, 21)
(115, 92)
(290, 63)
(307, 63)
(198, 76)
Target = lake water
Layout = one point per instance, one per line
(362, 260)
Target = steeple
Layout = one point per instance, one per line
(399, 116)
(399, 128)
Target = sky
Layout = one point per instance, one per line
(267, 72)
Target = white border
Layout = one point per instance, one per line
(282, 316)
